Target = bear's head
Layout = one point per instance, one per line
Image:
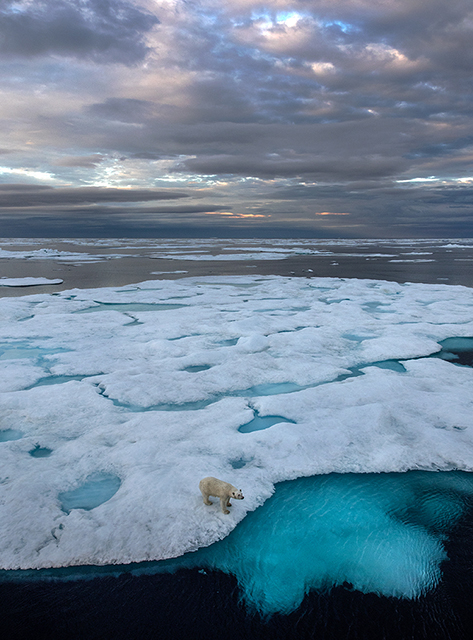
(237, 494)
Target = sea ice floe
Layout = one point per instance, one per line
(46, 253)
(28, 282)
(160, 403)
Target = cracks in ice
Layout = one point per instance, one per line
(134, 321)
(53, 532)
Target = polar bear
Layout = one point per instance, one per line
(219, 489)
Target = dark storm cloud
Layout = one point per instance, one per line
(315, 168)
(102, 220)
(121, 110)
(102, 30)
(442, 148)
(118, 211)
(34, 196)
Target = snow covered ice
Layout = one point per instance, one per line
(133, 395)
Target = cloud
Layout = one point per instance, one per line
(100, 30)
(330, 213)
(38, 196)
(287, 109)
(121, 110)
(80, 161)
(315, 167)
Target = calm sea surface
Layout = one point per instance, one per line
(100, 263)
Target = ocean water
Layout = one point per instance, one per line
(341, 406)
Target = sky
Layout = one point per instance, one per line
(182, 118)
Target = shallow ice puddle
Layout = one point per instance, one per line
(196, 368)
(259, 390)
(262, 422)
(40, 452)
(266, 389)
(50, 380)
(10, 434)
(96, 490)
(24, 349)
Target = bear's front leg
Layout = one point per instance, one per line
(223, 502)
(229, 504)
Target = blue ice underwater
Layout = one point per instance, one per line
(375, 533)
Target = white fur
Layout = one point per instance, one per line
(219, 489)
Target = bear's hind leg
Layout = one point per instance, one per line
(206, 499)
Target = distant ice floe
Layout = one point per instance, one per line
(412, 260)
(28, 282)
(60, 256)
(116, 402)
(242, 254)
(160, 273)
(218, 250)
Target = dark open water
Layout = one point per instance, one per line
(207, 606)
(197, 605)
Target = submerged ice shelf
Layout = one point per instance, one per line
(376, 533)
(256, 380)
